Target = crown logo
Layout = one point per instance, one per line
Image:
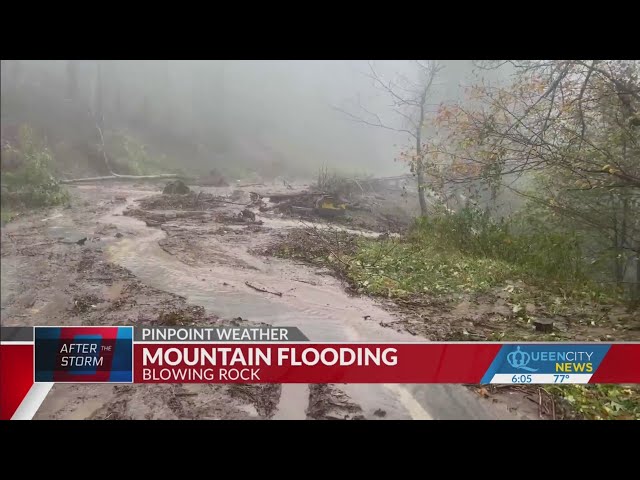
(520, 360)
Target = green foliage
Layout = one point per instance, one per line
(132, 157)
(586, 173)
(601, 402)
(398, 267)
(468, 252)
(464, 252)
(6, 216)
(31, 184)
(536, 252)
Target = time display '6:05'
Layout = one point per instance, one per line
(521, 379)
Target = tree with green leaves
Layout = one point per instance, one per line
(565, 135)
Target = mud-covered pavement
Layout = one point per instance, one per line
(112, 260)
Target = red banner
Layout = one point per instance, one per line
(312, 363)
(428, 362)
(456, 363)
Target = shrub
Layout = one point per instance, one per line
(538, 252)
(132, 157)
(334, 184)
(30, 183)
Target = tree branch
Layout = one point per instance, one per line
(379, 123)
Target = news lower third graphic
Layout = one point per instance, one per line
(33, 359)
(84, 354)
(546, 363)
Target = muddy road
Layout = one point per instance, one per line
(119, 256)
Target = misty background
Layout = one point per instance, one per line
(276, 118)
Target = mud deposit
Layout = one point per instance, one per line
(110, 260)
(327, 402)
(494, 315)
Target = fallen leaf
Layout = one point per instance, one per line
(483, 392)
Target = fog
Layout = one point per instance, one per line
(237, 112)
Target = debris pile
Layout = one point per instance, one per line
(191, 201)
(301, 203)
(244, 217)
(328, 402)
(156, 219)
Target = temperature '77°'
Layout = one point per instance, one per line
(560, 378)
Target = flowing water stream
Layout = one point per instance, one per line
(317, 304)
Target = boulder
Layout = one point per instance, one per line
(248, 215)
(176, 187)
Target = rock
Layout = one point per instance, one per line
(119, 235)
(81, 241)
(380, 413)
(248, 215)
(176, 187)
(543, 325)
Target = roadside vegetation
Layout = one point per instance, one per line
(132, 157)
(465, 257)
(539, 263)
(563, 135)
(27, 176)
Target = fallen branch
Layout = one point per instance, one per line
(358, 184)
(262, 289)
(304, 281)
(229, 202)
(39, 244)
(114, 176)
(161, 176)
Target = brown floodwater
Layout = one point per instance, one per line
(317, 304)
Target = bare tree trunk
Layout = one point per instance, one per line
(618, 243)
(98, 97)
(420, 164)
(409, 102)
(623, 237)
(635, 275)
(618, 264)
(627, 241)
(421, 198)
